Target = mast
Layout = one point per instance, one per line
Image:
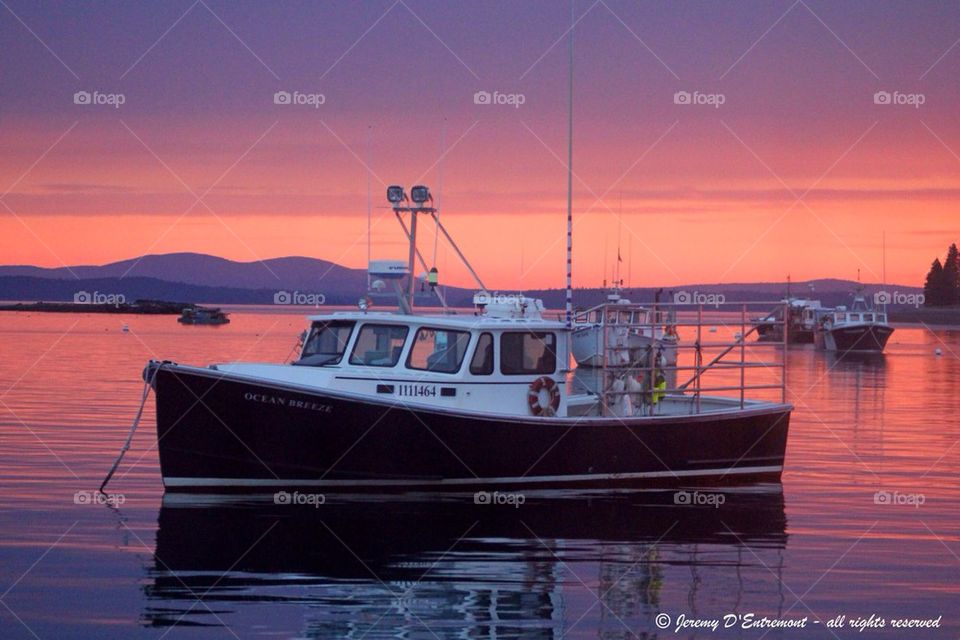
(884, 268)
(619, 233)
(569, 305)
(412, 279)
(369, 203)
(443, 152)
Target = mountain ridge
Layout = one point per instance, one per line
(202, 277)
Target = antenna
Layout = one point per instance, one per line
(369, 203)
(884, 258)
(619, 233)
(522, 248)
(884, 267)
(569, 304)
(443, 145)
(606, 256)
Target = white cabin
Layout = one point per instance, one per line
(483, 362)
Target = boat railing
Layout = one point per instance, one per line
(682, 336)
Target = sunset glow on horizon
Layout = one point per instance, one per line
(801, 171)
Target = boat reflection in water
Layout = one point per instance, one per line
(426, 564)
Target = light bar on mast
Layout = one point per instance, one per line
(420, 194)
(396, 194)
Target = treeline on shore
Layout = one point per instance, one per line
(942, 286)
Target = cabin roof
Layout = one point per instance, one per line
(453, 321)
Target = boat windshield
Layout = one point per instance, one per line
(327, 342)
(438, 350)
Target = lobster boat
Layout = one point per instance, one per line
(795, 321)
(860, 328)
(399, 400)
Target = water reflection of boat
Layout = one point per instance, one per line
(855, 360)
(367, 566)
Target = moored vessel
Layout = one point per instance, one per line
(859, 328)
(399, 401)
(795, 320)
(406, 401)
(203, 315)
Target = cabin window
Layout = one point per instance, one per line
(379, 345)
(439, 350)
(482, 363)
(527, 353)
(326, 342)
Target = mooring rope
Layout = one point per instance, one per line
(147, 385)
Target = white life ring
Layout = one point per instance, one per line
(535, 401)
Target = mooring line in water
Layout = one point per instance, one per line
(147, 385)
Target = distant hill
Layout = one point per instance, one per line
(22, 288)
(194, 277)
(56, 290)
(301, 273)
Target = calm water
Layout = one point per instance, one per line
(820, 545)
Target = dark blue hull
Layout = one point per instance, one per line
(866, 337)
(233, 434)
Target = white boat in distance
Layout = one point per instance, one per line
(621, 330)
(859, 328)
